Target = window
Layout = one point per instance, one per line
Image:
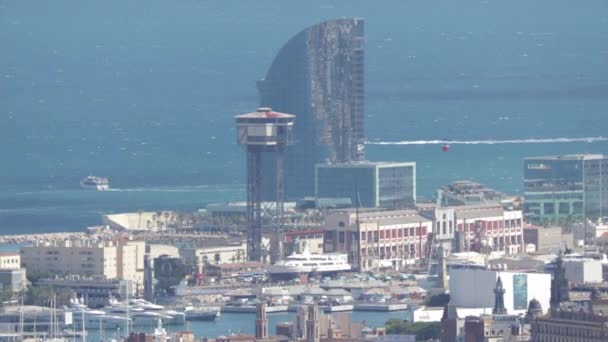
(363, 235)
(341, 237)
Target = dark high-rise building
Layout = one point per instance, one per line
(318, 76)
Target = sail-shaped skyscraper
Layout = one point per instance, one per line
(318, 76)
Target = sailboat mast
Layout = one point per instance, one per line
(84, 331)
(127, 296)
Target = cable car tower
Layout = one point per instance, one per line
(258, 132)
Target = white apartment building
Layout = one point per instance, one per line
(123, 259)
(81, 257)
(10, 261)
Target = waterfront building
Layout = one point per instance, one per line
(80, 257)
(388, 185)
(223, 271)
(566, 187)
(467, 193)
(10, 260)
(474, 289)
(297, 241)
(143, 221)
(216, 251)
(389, 239)
(478, 228)
(119, 259)
(318, 76)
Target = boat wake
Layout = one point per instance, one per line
(200, 188)
(490, 142)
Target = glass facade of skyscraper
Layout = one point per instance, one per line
(368, 184)
(561, 188)
(317, 76)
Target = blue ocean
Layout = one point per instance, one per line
(144, 92)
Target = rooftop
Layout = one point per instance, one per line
(570, 157)
(366, 163)
(265, 113)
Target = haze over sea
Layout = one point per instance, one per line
(144, 92)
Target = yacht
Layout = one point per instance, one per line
(95, 183)
(144, 313)
(202, 314)
(307, 262)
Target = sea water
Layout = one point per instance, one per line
(144, 92)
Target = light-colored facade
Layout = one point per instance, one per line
(84, 258)
(489, 228)
(299, 240)
(587, 231)
(155, 250)
(583, 271)
(109, 259)
(149, 221)
(475, 289)
(10, 261)
(546, 239)
(389, 239)
(228, 252)
(368, 184)
(478, 228)
(130, 262)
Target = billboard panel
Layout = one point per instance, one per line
(520, 291)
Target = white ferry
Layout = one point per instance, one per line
(95, 183)
(306, 263)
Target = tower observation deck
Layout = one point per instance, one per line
(270, 132)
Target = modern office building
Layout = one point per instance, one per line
(565, 187)
(368, 184)
(317, 76)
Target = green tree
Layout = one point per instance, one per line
(6, 294)
(439, 300)
(423, 330)
(34, 276)
(43, 294)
